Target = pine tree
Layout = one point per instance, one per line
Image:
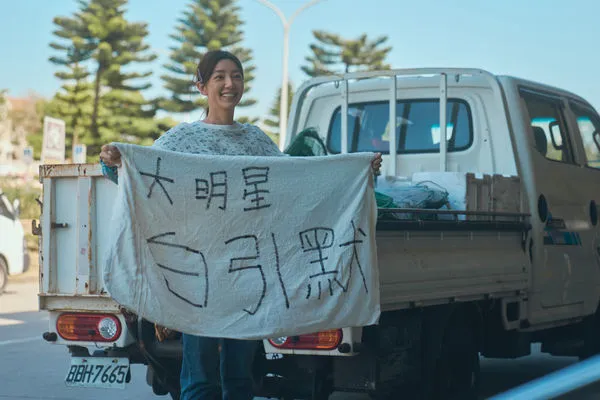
(272, 121)
(326, 55)
(117, 43)
(100, 37)
(73, 102)
(336, 55)
(205, 25)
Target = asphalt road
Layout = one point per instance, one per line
(32, 369)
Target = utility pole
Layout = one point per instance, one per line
(283, 104)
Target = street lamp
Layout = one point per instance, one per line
(283, 104)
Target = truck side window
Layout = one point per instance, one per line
(417, 127)
(588, 123)
(549, 134)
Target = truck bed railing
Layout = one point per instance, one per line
(342, 81)
(429, 220)
(455, 213)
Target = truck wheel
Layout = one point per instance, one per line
(159, 388)
(591, 336)
(457, 368)
(3, 274)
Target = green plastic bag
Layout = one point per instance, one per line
(307, 143)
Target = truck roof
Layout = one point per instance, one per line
(431, 80)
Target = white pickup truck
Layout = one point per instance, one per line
(512, 258)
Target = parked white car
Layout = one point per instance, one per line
(13, 249)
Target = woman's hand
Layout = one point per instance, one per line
(376, 163)
(110, 155)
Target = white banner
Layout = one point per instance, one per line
(245, 247)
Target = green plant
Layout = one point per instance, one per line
(27, 195)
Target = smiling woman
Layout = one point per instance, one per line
(220, 77)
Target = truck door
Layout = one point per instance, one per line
(559, 276)
(586, 124)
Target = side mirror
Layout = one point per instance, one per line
(17, 208)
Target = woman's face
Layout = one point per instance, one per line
(225, 86)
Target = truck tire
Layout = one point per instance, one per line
(591, 336)
(3, 274)
(456, 375)
(159, 387)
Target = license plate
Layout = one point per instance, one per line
(98, 372)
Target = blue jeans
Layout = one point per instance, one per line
(200, 368)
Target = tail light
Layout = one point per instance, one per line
(88, 327)
(326, 340)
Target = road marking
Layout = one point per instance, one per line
(17, 341)
(9, 322)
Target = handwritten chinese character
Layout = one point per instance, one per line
(158, 239)
(278, 268)
(216, 188)
(317, 240)
(354, 242)
(157, 179)
(241, 262)
(254, 176)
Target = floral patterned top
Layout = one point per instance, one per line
(203, 138)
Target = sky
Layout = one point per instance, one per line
(549, 41)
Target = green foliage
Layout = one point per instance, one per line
(204, 26)
(247, 120)
(107, 103)
(333, 54)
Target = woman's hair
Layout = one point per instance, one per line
(207, 64)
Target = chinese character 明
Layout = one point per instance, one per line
(217, 187)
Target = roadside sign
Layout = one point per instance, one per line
(53, 148)
(79, 154)
(28, 155)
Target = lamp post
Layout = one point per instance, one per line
(283, 104)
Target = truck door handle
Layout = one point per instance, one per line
(57, 225)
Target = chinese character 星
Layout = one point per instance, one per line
(254, 176)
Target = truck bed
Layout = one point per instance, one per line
(422, 261)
